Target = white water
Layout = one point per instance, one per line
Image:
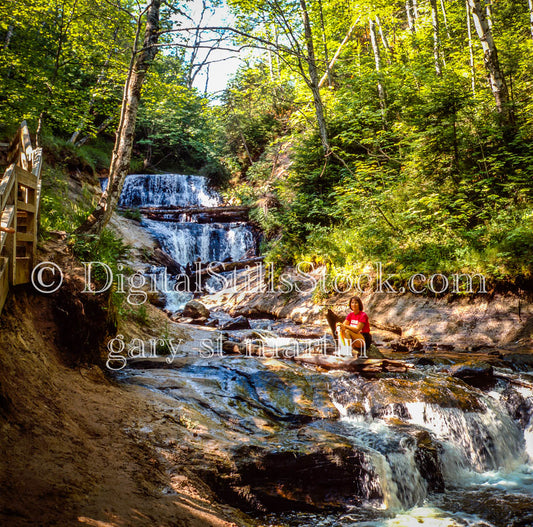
(485, 449)
(162, 190)
(187, 242)
(214, 242)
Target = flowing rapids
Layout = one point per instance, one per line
(427, 448)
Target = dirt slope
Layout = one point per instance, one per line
(70, 451)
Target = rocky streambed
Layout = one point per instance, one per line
(296, 445)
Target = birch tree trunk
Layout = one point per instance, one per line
(415, 11)
(436, 41)
(325, 43)
(120, 161)
(530, 5)
(471, 49)
(410, 23)
(492, 64)
(445, 17)
(313, 80)
(377, 59)
(384, 40)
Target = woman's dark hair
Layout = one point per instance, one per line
(359, 302)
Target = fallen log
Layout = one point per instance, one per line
(200, 214)
(193, 210)
(328, 362)
(230, 266)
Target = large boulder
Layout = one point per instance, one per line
(194, 310)
(475, 373)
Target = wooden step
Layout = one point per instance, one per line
(22, 270)
(6, 184)
(6, 220)
(4, 280)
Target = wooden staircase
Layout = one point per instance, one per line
(20, 190)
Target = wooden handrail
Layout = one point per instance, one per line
(20, 191)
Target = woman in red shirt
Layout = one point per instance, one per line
(356, 326)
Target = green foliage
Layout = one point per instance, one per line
(428, 180)
(62, 63)
(132, 214)
(106, 247)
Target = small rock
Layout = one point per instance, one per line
(195, 309)
(424, 361)
(407, 345)
(200, 321)
(237, 323)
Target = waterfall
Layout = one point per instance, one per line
(212, 242)
(164, 190)
(183, 238)
(469, 445)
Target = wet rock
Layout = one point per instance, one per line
(195, 309)
(519, 407)
(407, 345)
(373, 352)
(213, 323)
(519, 361)
(236, 323)
(324, 472)
(302, 333)
(475, 373)
(157, 299)
(389, 395)
(428, 461)
(424, 361)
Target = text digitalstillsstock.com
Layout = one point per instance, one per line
(47, 277)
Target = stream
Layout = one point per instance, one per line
(296, 446)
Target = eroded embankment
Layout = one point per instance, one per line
(71, 448)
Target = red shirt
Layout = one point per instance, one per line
(354, 319)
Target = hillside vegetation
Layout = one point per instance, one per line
(361, 132)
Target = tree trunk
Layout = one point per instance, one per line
(492, 64)
(336, 56)
(325, 43)
(120, 161)
(471, 49)
(530, 5)
(436, 39)
(415, 11)
(445, 17)
(384, 40)
(410, 23)
(488, 9)
(377, 59)
(9, 35)
(313, 79)
(337, 53)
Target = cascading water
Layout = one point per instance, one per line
(476, 443)
(186, 240)
(163, 190)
